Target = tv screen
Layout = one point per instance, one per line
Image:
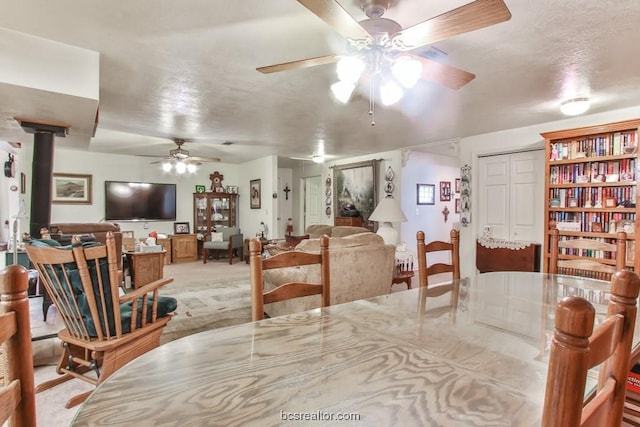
(139, 201)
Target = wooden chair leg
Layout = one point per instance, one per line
(204, 255)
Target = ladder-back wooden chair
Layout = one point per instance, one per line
(17, 395)
(587, 257)
(424, 249)
(288, 290)
(103, 331)
(576, 347)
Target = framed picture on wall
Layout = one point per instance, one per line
(356, 188)
(254, 186)
(445, 191)
(71, 188)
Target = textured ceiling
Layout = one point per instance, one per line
(187, 69)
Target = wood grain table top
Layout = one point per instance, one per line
(479, 361)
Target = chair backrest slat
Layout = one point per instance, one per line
(287, 290)
(587, 257)
(17, 396)
(576, 348)
(425, 248)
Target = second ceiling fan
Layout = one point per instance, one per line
(382, 42)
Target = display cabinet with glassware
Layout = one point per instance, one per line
(214, 210)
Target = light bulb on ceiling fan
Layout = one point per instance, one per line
(406, 70)
(166, 166)
(390, 93)
(342, 91)
(191, 168)
(181, 167)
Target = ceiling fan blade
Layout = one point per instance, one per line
(446, 75)
(470, 17)
(303, 63)
(157, 161)
(203, 159)
(337, 18)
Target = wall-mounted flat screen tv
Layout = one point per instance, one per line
(139, 201)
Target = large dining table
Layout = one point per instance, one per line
(474, 356)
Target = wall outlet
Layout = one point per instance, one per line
(146, 226)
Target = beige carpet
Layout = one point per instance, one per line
(209, 296)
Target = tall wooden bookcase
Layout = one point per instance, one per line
(591, 178)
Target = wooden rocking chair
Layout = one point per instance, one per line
(104, 331)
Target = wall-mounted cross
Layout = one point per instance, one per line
(286, 191)
(445, 212)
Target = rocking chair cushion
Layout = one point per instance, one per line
(166, 305)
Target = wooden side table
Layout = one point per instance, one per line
(403, 277)
(145, 267)
(245, 250)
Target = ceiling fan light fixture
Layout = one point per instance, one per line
(407, 71)
(349, 69)
(575, 106)
(390, 93)
(342, 91)
(191, 168)
(166, 166)
(181, 167)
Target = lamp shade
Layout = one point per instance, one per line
(388, 210)
(385, 213)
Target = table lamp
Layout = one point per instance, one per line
(388, 211)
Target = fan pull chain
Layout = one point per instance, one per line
(372, 101)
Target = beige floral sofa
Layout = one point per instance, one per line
(361, 266)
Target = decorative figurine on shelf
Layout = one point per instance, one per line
(289, 226)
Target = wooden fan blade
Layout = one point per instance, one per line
(470, 17)
(446, 75)
(303, 63)
(337, 18)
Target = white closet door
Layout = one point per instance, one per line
(493, 197)
(527, 187)
(510, 195)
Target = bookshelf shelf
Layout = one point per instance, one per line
(591, 177)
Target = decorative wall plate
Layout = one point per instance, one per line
(389, 175)
(327, 192)
(328, 182)
(328, 211)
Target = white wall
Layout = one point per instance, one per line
(9, 200)
(426, 168)
(111, 167)
(265, 169)
(511, 140)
